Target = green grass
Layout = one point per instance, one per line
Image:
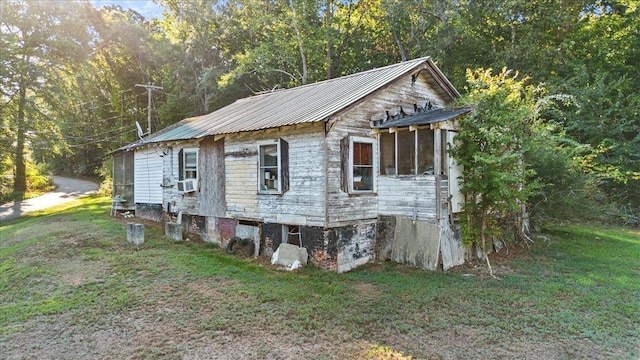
(581, 285)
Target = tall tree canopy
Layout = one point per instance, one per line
(41, 44)
(68, 70)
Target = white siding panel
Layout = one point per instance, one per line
(407, 196)
(187, 203)
(241, 178)
(305, 197)
(147, 176)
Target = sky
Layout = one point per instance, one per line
(146, 8)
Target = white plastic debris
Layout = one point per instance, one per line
(296, 264)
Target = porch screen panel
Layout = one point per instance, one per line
(406, 152)
(443, 152)
(118, 174)
(128, 177)
(387, 154)
(425, 151)
(123, 176)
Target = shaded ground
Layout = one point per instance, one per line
(67, 189)
(74, 289)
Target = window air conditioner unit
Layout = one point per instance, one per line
(186, 186)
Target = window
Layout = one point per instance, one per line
(188, 164)
(406, 152)
(273, 175)
(361, 165)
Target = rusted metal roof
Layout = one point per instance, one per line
(302, 104)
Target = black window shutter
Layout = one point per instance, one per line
(181, 164)
(344, 164)
(284, 171)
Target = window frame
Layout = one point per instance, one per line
(185, 169)
(374, 166)
(415, 152)
(260, 175)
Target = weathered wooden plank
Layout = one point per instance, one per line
(355, 122)
(212, 189)
(305, 197)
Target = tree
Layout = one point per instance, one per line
(601, 69)
(41, 42)
(491, 147)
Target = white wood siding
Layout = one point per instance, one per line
(344, 208)
(303, 203)
(241, 177)
(187, 203)
(411, 197)
(147, 176)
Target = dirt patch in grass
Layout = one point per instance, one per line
(99, 297)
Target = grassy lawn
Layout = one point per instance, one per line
(73, 287)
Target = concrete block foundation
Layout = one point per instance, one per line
(135, 233)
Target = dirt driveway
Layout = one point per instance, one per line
(67, 189)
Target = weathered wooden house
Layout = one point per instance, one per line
(351, 168)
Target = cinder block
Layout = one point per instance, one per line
(135, 233)
(173, 231)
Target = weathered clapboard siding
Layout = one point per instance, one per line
(241, 178)
(303, 203)
(147, 176)
(408, 196)
(212, 196)
(172, 200)
(343, 208)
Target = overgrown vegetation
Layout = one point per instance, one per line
(208, 53)
(37, 182)
(69, 271)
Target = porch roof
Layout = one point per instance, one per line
(423, 118)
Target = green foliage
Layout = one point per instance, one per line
(567, 191)
(106, 176)
(491, 146)
(42, 43)
(37, 179)
(78, 67)
(602, 61)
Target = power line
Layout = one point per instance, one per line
(149, 88)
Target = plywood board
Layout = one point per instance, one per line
(450, 247)
(416, 243)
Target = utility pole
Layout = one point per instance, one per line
(149, 88)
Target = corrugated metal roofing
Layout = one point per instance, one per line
(302, 104)
(424, 118)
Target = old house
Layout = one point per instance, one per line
(350, 168)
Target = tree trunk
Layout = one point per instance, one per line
(20, 178)
(327, 24)
(483, 236)
(303, 58)
(403, 53)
